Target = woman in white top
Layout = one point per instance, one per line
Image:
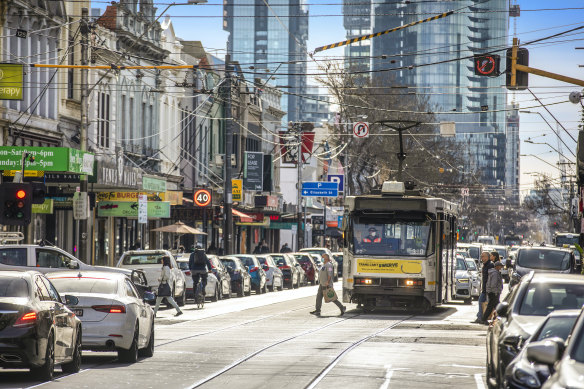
(164, 291)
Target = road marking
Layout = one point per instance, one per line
(464, 366)
(388, 374)
(479, 380)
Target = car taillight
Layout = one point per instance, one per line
(253, 269)
(284, 267)
(110, 308)
(28, 319)
(187, 273)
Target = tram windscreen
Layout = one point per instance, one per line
(401, 238)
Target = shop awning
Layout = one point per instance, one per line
(240, 214)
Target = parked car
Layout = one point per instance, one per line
(303, 277)
(523, 373)
(324, 250)
(37, 329)
(542, 259)
(522, 311)
(274, 276)
(291, 273)
(222, 275)
(474, 250)
(257, 273)
(338, 257)
(150, 262)
(212, 289)
(240, 278)
(475, 290)
(38, 258)
(463, 285)
(113, 314)
(308, 265)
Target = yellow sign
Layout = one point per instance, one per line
(175, 197)
(389, 266)
(129, 196)
(27, 173)
(236, 189)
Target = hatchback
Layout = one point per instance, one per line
(291, 273)
(274, 277)
(240, 278)
(223, 277)
(308, 265)
(257, 273)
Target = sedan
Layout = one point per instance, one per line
(257, 273)
(37, 330)
(308, 265)
(274, 277)
(523, 373)
(240, 278)
(522, 311)
(285, 262)
(212, 288)
(323, 250)
(223, 277)
(476, 277)
(114, 316)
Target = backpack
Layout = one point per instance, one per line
(200, 258)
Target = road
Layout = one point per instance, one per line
(271, 340)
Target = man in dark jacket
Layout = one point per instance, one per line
(487, 265)
(264, 249)
(199, 265)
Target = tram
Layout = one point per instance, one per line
(399, 249)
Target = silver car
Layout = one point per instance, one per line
(463, 278)
(212, 288)
(475, 277)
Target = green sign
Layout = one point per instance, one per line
(156, 209)
(11, 81)
(281, 225)
(48, 159)
(152, 184)
(46, 207)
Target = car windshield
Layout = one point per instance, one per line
(472, 266)
(557, 326)
(13, 287)
(143, 259)
(462, 253)
(302, 258)
(544, 259)
(398, 238)
(76, 284)
(229, 263)
(570, 240)
(542, 298)
(474, 252)
(262, 260)
(279, 259)
(314, 251)
(460, 264)
(247, 261)
(502, 252)
(183, 265)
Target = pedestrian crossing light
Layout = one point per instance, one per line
(16, 203)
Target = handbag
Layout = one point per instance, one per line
(330, 295)
(164, 290)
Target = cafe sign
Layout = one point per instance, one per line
(11, 81)
(156, 209)
(48, 159)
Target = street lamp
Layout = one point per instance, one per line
(554, 130)
(541, 159)
(528, 140)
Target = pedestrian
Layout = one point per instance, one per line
(326, 281)
(487, 264)
(164, 291)
(137, 246)
(494, 289)
(212, 249)
(265, 249)
(258, 249)
(199, 265)
(285, 248)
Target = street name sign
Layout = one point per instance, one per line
(320, 189)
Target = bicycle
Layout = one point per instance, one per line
(199, 296)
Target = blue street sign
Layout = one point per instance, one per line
(320, 185)
(339, 179)
(320, 189)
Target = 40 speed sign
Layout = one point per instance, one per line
(202, 197)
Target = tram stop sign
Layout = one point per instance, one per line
(202, 197)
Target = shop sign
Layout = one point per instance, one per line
(152, 184)
(253, 171)
(48, 159)
(11, 81)
(270, 202)
(264, 223)
(129, 196)
(281, 225)
(46, 207)
(236, 189)
(156, 209)
(27, 173)
(117, 174)
(173, 197)
(62, 177)
(61, 202)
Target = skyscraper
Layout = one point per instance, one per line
(260, 39)
(357, 22)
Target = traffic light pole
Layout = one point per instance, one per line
(83, 224)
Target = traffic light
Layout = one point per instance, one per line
(486, 65)
(521, 78)
(15, 203)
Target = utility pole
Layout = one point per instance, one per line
(84, 242)
(227, 186)
(299, 243)
(399, 126)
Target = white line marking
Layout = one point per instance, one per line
(388, 374)
(479, 380)
(464, 366)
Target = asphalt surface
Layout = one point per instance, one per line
(271, 340)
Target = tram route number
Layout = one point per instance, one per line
(389, 266)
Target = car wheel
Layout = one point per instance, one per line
(248, 293)
(228, 295)
(46, 371)
(240, 291)
(220, 294)
(258, 289)
(215, 297)
(281, 288)
(130, 355)
(149, 350)
(265, 290)
(183, 297)
(75, 365)
(297, 284)
(313, 282)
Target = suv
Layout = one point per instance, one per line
(39, 258)
(542, 259)
(324, 250)
(150, 262)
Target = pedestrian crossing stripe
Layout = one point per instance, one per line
(376, 34)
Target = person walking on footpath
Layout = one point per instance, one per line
(285, 248)
(487, 265)
(326, 281)
(164, 291)
(494, 289)
(200, 266)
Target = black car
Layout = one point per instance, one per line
(240, 278)
(223, 277)
(37, 330)
(291, 272)
(542, 259)
(523, 373)
(522, 311)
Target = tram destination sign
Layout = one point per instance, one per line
(320, 189)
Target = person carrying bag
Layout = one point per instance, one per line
(164, 291)
(325, 287)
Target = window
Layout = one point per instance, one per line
(53, 294)
(41, 290)
(103, 119)
(13, 256)
(123, 124)
(51, 259)
(70, 72)
(130, 290)
(13, 287)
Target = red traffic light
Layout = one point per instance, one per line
(20, 194)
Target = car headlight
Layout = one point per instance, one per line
(526, 378)
(462, 280)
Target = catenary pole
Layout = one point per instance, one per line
(227, 193)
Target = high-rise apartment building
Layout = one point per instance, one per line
(259, 39)
(357, 22)
(512, 154)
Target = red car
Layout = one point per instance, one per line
(309, 266)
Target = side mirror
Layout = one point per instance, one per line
(149, 297)
(502, 309)
(546, 352)
(73, 265)
(71, 300)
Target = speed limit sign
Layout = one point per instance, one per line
(202, 197)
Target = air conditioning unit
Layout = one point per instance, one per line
(219, 159)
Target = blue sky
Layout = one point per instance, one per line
(558, 58)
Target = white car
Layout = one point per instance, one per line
(212, 288)
(113, 315)
(274, 277)
(150, 262)
(39, 258)
(475, 277)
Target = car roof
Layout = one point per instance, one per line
(19, 273)
(548, 248)
(86, 274)
(135, 252)
(557, 278)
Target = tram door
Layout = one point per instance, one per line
(441, 261)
